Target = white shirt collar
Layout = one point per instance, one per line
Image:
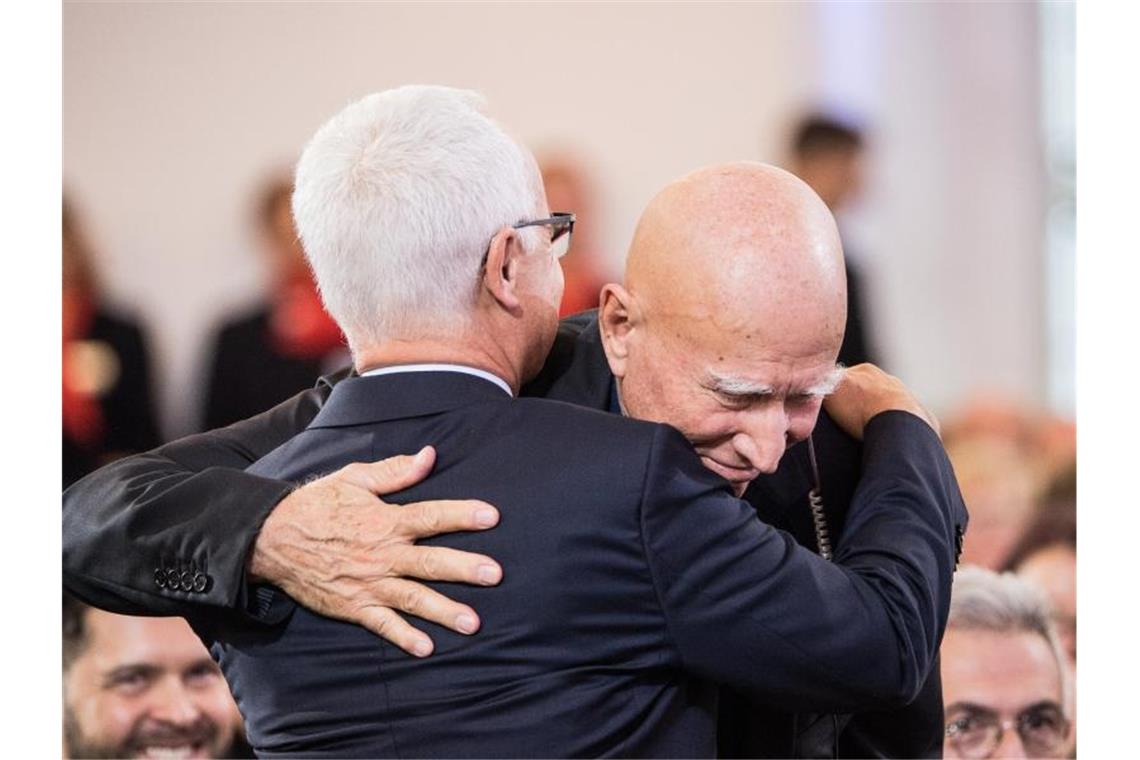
(399, 368)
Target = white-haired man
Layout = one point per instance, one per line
(1004, 675)
(634, 581)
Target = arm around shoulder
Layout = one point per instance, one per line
(748, 607)
(169, 531)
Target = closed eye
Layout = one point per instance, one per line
(737, 401)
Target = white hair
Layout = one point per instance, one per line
(983, 600)
(738, 386)
(396, 200)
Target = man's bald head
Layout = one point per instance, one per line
(730, 241)
(732, 314)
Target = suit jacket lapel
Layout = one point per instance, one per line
(576, 371)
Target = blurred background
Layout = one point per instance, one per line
(942, 135)
(176, 116)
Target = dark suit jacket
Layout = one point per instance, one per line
(577, 372)
(185, 511)
(247, 375)
(633, 580)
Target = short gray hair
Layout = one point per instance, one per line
(396, 199)
(983, 600)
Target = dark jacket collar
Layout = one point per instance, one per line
(576, 370)
(362, 400)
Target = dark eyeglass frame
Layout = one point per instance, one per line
(995, 729)
(561, 224)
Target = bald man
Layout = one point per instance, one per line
(727, 327)
(731, 316)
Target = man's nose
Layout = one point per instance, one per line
(1010, 745)
(173, 703)
(762, 437)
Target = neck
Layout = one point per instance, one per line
(464, 349)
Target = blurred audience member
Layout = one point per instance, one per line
(1050, 441)
(1005, 682)
(263, 357)
(999, 483)
(1046, 555)
(107, 407)
(569, 188)
(828, 155)
(142, 687)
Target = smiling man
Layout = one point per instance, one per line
(141, 687)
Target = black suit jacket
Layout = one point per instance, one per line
(248, 375)
(577, 372)
(186, 513)
(633, 581)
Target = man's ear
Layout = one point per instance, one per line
(500, 273)
(618, 319)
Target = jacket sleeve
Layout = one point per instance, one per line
(748, 607)
(168, 531)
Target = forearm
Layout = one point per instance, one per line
(186, 507)
(138, 531)
(748, 607)
(907, 506)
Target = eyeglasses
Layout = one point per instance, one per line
(976, 731)
(561, 224)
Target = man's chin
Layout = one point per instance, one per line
(739, 478)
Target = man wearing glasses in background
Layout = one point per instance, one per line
(1005, 678)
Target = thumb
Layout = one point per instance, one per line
(391, 474)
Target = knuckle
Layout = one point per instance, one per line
(410, 600)
(429, 519)
(382, 470)
(394, 463)
(428, 564)
(354, 470)
(383, 593)
(391, 562)
(382, 623)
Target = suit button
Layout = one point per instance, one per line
(186, 581)
(159, 577)
(200, 582)
(172, 579)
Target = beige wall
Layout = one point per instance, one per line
(173, 112)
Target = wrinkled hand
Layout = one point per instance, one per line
(339, 550)
(866, 391)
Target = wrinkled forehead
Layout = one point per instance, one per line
(734, 328)
(1003, 671)
(739, 358)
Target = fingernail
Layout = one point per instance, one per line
(489, 574)
(485, 518)
(422, 648)
(466, 624)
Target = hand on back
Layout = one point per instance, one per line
(338, 549)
